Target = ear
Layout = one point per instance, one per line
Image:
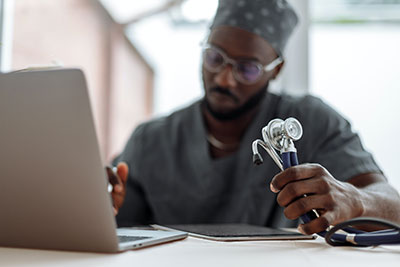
(277, 70)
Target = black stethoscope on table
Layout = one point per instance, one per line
(280, 135)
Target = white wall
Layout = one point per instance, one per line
(356, 68)
(294, 78)
(6, 28)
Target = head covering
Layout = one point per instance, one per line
(273, 20)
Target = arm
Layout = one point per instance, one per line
(130, 201)
(378, 198)
(336, 201)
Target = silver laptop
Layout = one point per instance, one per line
(53, 186)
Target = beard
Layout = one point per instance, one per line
(251, 104)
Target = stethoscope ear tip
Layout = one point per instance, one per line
(257, 159)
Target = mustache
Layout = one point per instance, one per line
(224, 91)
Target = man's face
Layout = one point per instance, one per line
(223, 92)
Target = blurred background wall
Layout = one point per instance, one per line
(82, 34)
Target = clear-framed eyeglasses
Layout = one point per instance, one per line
(245, 71)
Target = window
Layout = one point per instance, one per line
(355, 67)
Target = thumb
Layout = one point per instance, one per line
(122, 171)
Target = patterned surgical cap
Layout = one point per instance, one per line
(273, 20)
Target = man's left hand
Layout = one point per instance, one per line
(334, 200)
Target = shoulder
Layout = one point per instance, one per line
(302, 104)
(322, 124)
(311, 110)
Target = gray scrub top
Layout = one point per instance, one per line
(174, 180)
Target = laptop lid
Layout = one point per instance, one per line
(53, 187)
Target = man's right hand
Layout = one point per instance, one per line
(117, 177)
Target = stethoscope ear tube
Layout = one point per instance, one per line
(364, 239)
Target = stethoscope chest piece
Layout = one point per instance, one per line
(292, 129)
(281, 134)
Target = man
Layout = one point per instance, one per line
(195, 166)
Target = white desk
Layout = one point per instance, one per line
(199, 252)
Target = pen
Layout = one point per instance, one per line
(112, 177)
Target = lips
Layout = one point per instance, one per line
(224, 93)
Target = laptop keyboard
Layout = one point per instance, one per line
(127, 238)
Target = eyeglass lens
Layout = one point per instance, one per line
(245, 71)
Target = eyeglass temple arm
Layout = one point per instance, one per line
(273, 64)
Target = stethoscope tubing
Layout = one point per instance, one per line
(381, 237)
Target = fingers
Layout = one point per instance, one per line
(295, 190)
(113, 178)
(117, 177)
(317, 225)
(295, 173)
(122, 171)
(305, 204)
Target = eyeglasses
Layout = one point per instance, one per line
(244, 71)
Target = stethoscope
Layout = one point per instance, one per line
(280, 135)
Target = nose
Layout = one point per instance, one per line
(225, 77)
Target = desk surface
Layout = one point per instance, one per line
(199, 252)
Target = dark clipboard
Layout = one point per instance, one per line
(235, 232)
